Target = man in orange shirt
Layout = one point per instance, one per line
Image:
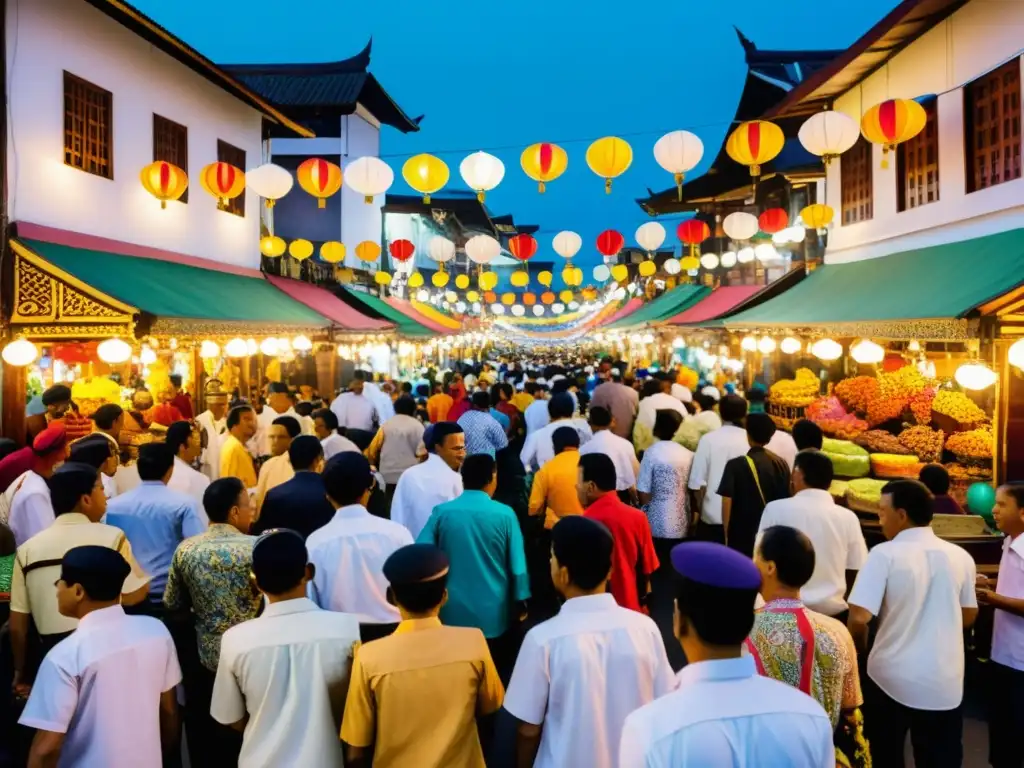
(439, 404)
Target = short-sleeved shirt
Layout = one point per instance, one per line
(101, 687)
(664, 472)
(1008, 628)
(622, 401)
(539, 448)
(275, 471)
(415, 695)
(750, 494)
(31, 509)
(714, 450)
(483, 433)
(620, 451)
(554, 488)
(633, 557)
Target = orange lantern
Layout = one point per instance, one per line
(589, 294)
(892, 122)
(544, 162)
(529, 299)
(164, 181)
(522, 246)
(755, 143)
(490, 297)
(773, 220)
(320, 178)
(548, 297)
(368, 251)
(223, 181)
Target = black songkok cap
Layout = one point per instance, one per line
(414, 563)
(101, 571)
(93, 450)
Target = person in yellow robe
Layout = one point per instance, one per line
(235, 459)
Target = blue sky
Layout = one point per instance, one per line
(506, 74)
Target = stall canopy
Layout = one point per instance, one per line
(628, 308)
(665, 306)
(330, 306)
(925, 293)
(426, 315)
(715, 304)
(405, 325)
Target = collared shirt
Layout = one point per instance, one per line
(633, 556)
(37, 567)
(274, 472)
(917, 585)
(210, 574)
(783, 445)
(420, 489)
(554, 488)
(538, 448)
(723, 714)
(838, 544)
(381, 400)
(438, 406)
(266, 420)
(659, 401)
(621, 453)
(101, 688)
(355, 411)
(751, 482)
(622, 401)
(109, 485)
(236, 461)
(31, 510)
(349, 554)
(395, 447)
(483, 433)
(1007, 628)
(709, 419)
(288, 670)
(186, 480)
(581, 674)
(156, 520)
(713, 452)
(215, 430)
(536, 416)
(415, 696)
(777, 646)
(522, 401)
(664, 472)
(484, 544)
(334, 444)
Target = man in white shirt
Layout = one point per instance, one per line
(722, 712)
(538, 448)
(279, 403)
(380, 396)
(659, 401)
(921, 588)
(349, 552)
(839, 547)
(681, 393)
(783, 446)
(105, 695)
(536, 415)
(714, 451)
(325, 427)
(354, 409)
(706, 415)
(186, 444)
(214, 421)
(619, 450)
(581, 673)
(283, 677)
(29, 495)
(435, 481)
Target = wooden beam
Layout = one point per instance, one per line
(15, 386)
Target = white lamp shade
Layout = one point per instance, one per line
(518, 310)
(866, 352)
(236, 348)
(369, 176)
(558, 308)
(209, 350)
(422, 295)
(748, 344)
(740, 225)
(709, 261)
(538, 309)
(766, 345)
(672, 266)
(441, 249)
(602, 273)
(765, 252)
(19, 353)
(271, 182)
(482, 172)
(650, 236)
(827, 349)
(302, 344)
(829, 134)
(975, 376)
(1015, 354)
(567, 244)
(679, 152)
(114, 351)
(269, 347)
(497, 309)
(745, 255)
(728, 259)
(790, 345)
(482, 249)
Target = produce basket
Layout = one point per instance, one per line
(785, 416)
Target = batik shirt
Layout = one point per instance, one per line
(777, 645)
(210, 574)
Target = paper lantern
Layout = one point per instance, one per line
(439, 279)
(490, 297)
(441, 249)
(817, 216)
(472, 296)
(482, 173)
(690, 263)
(520, 279)
(567, 244)
(538, 310)
(672, 267)
(482, 249)
(518, 310)
(609, 243)
(867, 352)
(164, 181)
(647, 268)
(765, 252)
(522, 246)
(975, 376)
(545, 278)
(755, 143)
(236, 348)
(301, 344)
(462, 282)
(300, 250)
(369, 176)
(740, 225)
(678, 152)
(548, 297)
(709, 261)
(401, 250)
(609, 158)
(620, 273)
(497, 309)
(826, 349)
(693, 232)
(558, 308)
(426, 174)
(602, 273)
(829, 134)
(332, 251)
(745, 255)
(572, 276)
(891, 123)
(415, 280)
(269, 347)
(19, 353)
(272, 246)
(114, 351)
(487, 281)
(790, 346)
(208, 350)
(368, 251)
(223, 181)
(773, 220)
(565, 296)
(728, 259)
(650, 236)
(508, 299)
(269, 181)
(529, 299)
(380, 277)
(543, 163)
(588, 294)
(320, 178)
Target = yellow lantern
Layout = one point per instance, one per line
(545, 278)
(589, 294)
(620, 273)
(891, 123)
(487, 281)
(544, 162)
(565, 296)
(345, 275)
(368, 251)
(755, 143)
(332, 252)
(472, 296)
(439, 279)
(164, 181)
(508, 299)
(647, 268)
(320, 178)
(572, 276)
(415, 280)
(520, 278)
(462, 282)
(426, 174)
(273, 246)
(817, 216)
(223, 181)
(689, 263)
(609, 158)
(300, 250)
(381, 277)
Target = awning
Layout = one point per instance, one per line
(406, 326)
(180, 298)
(628, 308)
(927, 293)
(717, 303)
(330, 306)
(665, 306)
(426, 315)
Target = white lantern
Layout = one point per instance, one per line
(1015, 354)
(745, 255)
(482, 249)
(518, 310)
(271, 182)
(497, 309)
(460, 307)
(538, 309)
(766, 345)
(451, 296)
(251, 346)
(476, 307)
(748, 344)
(482, 173)
(369, 176)
(866, 352)
(709, 261)
(728, 259)
(302, 344)
(975, 376)
(650, 236)
(790, 345)
(765, 252)
(829, 134)
(147, 356)
(827, 349)
(209, 350)
(236, 348)
(114, 351)
(558, 308)
(423, 295)
(672, 266)
(567, 244)
(602, 273)
(441, 249)
(679, 152)
(269, 347)
(19, 353)
(740, 225)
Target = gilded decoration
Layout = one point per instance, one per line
(938, 329)
(178, 326)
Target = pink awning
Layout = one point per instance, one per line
(628, 308)
(718, 302)
(327, 304)
(409, 311)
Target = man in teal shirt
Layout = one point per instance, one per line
(488, 583)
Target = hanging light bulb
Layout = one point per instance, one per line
(208, 350)
(728, 259)
(648, 338)
(827, 349)
(745, 255)
(1015, 355)
(269, 347)
(236, 348)
(766, 345)
(147, 356)
(302, 344)
(114, 351)
(748, 344)
(790, 346)
(19, 353)
(866, 352)
(975, 375)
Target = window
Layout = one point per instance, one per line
(855, 173)
(917, 164)
(88, 127)
(229, 154)
(992, 127)
(170, 144)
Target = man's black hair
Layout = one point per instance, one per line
(106, 415)
(935, 479)
(220, 497)
(599, 469)
(719, 616)
(561, 406)
(706, 402)
(760, 428)
(291, 425)
(155, 461)
(600, 417)
(477, 471)
(235, 414)
(178, 434)
(481, 400)
(329, 418)
(816, 467)
(807, 434)
(791, 551)
(58, 393)
(732, 409)
(584, 547)
(68, 487)
(405, 406)
(563, 438)
(666, 423)
(420, 596)
(913, 497)
(304, 452)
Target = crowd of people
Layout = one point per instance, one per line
(386, 576)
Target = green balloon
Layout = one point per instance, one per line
(981, 497)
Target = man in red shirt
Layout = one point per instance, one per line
(633, 557)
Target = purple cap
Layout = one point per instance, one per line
(715, 565)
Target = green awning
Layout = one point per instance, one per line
(181, 292)
(667, 305)
(939, 283)
(406, 325)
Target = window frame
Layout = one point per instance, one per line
(181, 143)
(859, 160)
(229, 153)
(909, 152)
(979, 160)
(106, 171)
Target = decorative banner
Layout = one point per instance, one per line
(543, 163)
(609, 158)
(426, 174)
(222, 181)
(891, 123)
(319, 178)
(164, 181)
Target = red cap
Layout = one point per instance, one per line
(50, 440)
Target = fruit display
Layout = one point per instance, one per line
(825, 408)
(880, 441)
(798, 392)
(901, 384)
(857, 393)
(846, 428)
(848, 459)
(881, 410)
(842, 447)
(866, 488)
(957, 406)
(925, 442)
(892, 465)
(921, 405)
(972, 445)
